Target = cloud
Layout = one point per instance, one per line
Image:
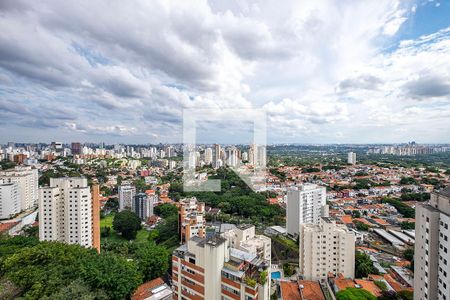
(127, 70)
(428, 86)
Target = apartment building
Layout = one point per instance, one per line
(143, 205)
(211, 268)
(9, 199)
(326, 247)
(66, 212)
(432, 248)
(306, 204)
(27, 182)
(351, 158)
(127, 191)
(191, 216)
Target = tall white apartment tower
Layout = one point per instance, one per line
(351, 158)
(208, 156)
(432, 248)
(305, 205)
(9, 199)
(65, 211)
(326, 247)
(27, 182)
(126, 195)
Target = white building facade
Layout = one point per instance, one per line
(432, 248)
(305, 205)
(9, 199)
(65, 211)
(126, 195)
(326, 247)
(27, 182)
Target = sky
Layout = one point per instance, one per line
(324, 71)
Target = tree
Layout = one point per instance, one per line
(408, 254)
(361, 226)
(127, 223)
(407, 225)
(166, 210)
(354, 294)
(405, 295)
(77, 290)
(153, 260)
(356, 214)
(117, 276)
(363, 265)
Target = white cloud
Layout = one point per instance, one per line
(126, 68)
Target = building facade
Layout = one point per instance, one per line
(143, 205)
(66, 211)
(326, 247)
(126, 195)
(351, 158)
(432, 248)
(191, 217)
(210, 268)
(9, 199)
(305, 205)
(27, 182)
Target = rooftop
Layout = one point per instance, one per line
(310, 290)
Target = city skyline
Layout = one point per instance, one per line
(326, 72)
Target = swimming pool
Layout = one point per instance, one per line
(276, 275)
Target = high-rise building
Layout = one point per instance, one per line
(191, 215)
(126, 195)
(233, 265)
(351, 158)
(305, 205)
(9, 199)
(27, 182)
(66, 211)
(143, 205)
(232, 157)
(208, 156)
(432, 248)
(76, 148)
(217, 153)
(326, 247)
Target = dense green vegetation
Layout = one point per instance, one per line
(6, 164)
(127, 223)
(354, 294)
(363, 265)
(407, 225)
(235, 199)
(415, 197)
(166, 210)
(405, 210)
(52, 270)
(361, 226)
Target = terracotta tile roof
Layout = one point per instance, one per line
(381, 221)
(311, 290)
(394, 283)
(369, 286)
(364, 221)
(5, 227)
(346, 219)
(343, 283)
(145, 290)
(367, 249)
(289, 290)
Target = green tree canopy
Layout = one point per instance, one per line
(363, 265)
(127, 223)
(354, 294)
(166, 210)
